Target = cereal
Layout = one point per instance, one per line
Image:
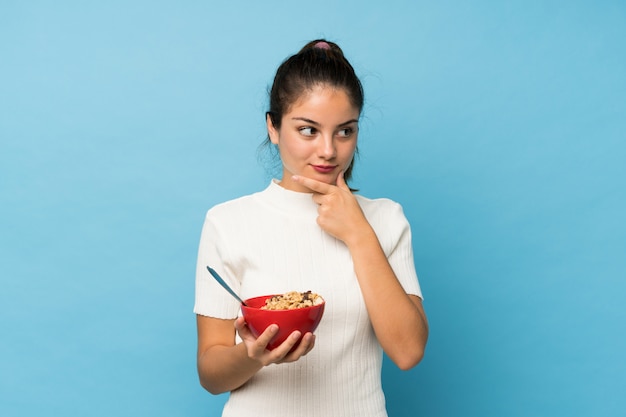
(292, 300)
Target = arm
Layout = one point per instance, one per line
(225, 366)
(398, 319)
(222, 364)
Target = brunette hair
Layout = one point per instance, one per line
(319, 62)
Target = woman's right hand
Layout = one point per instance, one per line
(257, 347)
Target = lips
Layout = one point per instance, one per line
(324, 169)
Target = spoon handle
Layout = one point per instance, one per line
(224, 284)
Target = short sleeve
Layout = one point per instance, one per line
(401, 254)
(210, 298)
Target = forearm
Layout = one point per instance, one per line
(399, 323)
(225, 368)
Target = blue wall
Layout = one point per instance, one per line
(500, 126)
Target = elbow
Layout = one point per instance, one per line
(407, 356)
(209, 382)
(211, 387)
(409, 360)
(206, 375)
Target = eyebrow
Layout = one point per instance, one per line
(313, 122)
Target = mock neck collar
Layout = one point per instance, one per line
(288, 201)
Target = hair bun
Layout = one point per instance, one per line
(322, 45)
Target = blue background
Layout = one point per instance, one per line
(499, 125)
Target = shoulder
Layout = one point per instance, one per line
(380, 207)
(237, 207)
(230, 219)
(227, 207)
(387, 218)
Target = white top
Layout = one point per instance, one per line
(268, 243)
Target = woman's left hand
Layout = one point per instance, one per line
(339, 212)
(398, 319)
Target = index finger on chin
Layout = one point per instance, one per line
(313, 185)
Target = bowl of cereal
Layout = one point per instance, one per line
(290, 311)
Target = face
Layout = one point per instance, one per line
(317, 137)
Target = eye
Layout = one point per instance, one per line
(307, 131)
(346, 133)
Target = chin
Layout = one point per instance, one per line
(328, 179)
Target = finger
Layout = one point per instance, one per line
(240, 322)
(319, 199)
(313, 185)
(283, 351)
(267, 335)
(341, 182)
(306, 344)
(241, 327)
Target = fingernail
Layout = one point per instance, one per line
(295, 177)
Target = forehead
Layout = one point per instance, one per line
(323, 100)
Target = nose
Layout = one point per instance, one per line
(327, 149)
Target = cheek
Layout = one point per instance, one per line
(348, 156)
(348, 150)
(294, 149)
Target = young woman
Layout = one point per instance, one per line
(309, 231)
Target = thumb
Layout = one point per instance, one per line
(341, 182)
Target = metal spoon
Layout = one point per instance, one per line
(225, 285)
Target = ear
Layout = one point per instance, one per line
(271, 130)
